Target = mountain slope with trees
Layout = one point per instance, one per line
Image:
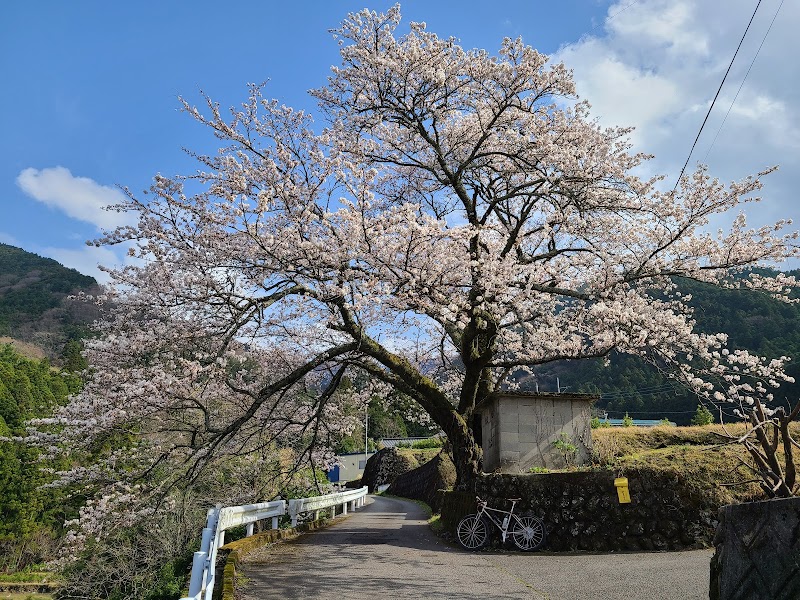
(35, 303)
(753, 322)
(31, 515)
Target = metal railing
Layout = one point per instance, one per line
(201, 583)
(303, 505)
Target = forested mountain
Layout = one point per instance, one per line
(753, 321)
(31, 516)
(34, 301)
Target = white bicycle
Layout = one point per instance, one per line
(527, 532)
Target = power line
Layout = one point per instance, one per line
(616, 14)
(650, 390)
(710, 108)
(741, 85)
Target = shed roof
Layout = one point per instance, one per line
(549, 395)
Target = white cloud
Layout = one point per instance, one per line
(621, 94)
(85, 259)
(664, 24)
(81, 198)
(659, 63)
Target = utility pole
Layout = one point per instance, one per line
(366, 437)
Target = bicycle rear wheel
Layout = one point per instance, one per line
(528, 533)
(472, 532)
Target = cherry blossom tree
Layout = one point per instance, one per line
(457, 219)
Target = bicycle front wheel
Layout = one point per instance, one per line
(528, 533)
(472, 532)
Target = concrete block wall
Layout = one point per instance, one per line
(520, 431)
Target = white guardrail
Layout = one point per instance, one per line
(201, 583)
(302, 505)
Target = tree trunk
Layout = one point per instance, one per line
(466, 452)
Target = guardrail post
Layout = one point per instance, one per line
(316, 515)
(205, 541)
(274, 522)
(344, 508)
(198, 566)
(250, 527)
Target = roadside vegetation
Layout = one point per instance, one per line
(700, 454)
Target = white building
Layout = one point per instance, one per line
(350, 467)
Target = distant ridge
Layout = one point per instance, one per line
(34, 300)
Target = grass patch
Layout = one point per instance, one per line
(695, 454)
(27, 577)
(420, 455)
(24, 596)
(436, 525)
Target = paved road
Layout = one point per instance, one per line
(386, 550)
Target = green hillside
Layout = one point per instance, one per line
(31, 515)
(753, 321)
(34, 300)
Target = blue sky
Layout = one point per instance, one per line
(90, 89)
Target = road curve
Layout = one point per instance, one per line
(387, 550)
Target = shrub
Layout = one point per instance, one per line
(434, 442)
(703, 416)
(627, 421)
(568, 449)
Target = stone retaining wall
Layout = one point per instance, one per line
(581, 510)
(385, 466)
(424, 482)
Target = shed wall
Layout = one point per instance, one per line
(521, 432)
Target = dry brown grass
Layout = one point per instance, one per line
(698, 454)
(24, 348)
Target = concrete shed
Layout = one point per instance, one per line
(519, 431)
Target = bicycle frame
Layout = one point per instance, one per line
(485, 510)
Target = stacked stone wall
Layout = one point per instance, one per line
(424, 482)
(385, 466)
(581, 510)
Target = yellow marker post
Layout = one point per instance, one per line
(621, 483)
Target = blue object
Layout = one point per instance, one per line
(333, 474)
